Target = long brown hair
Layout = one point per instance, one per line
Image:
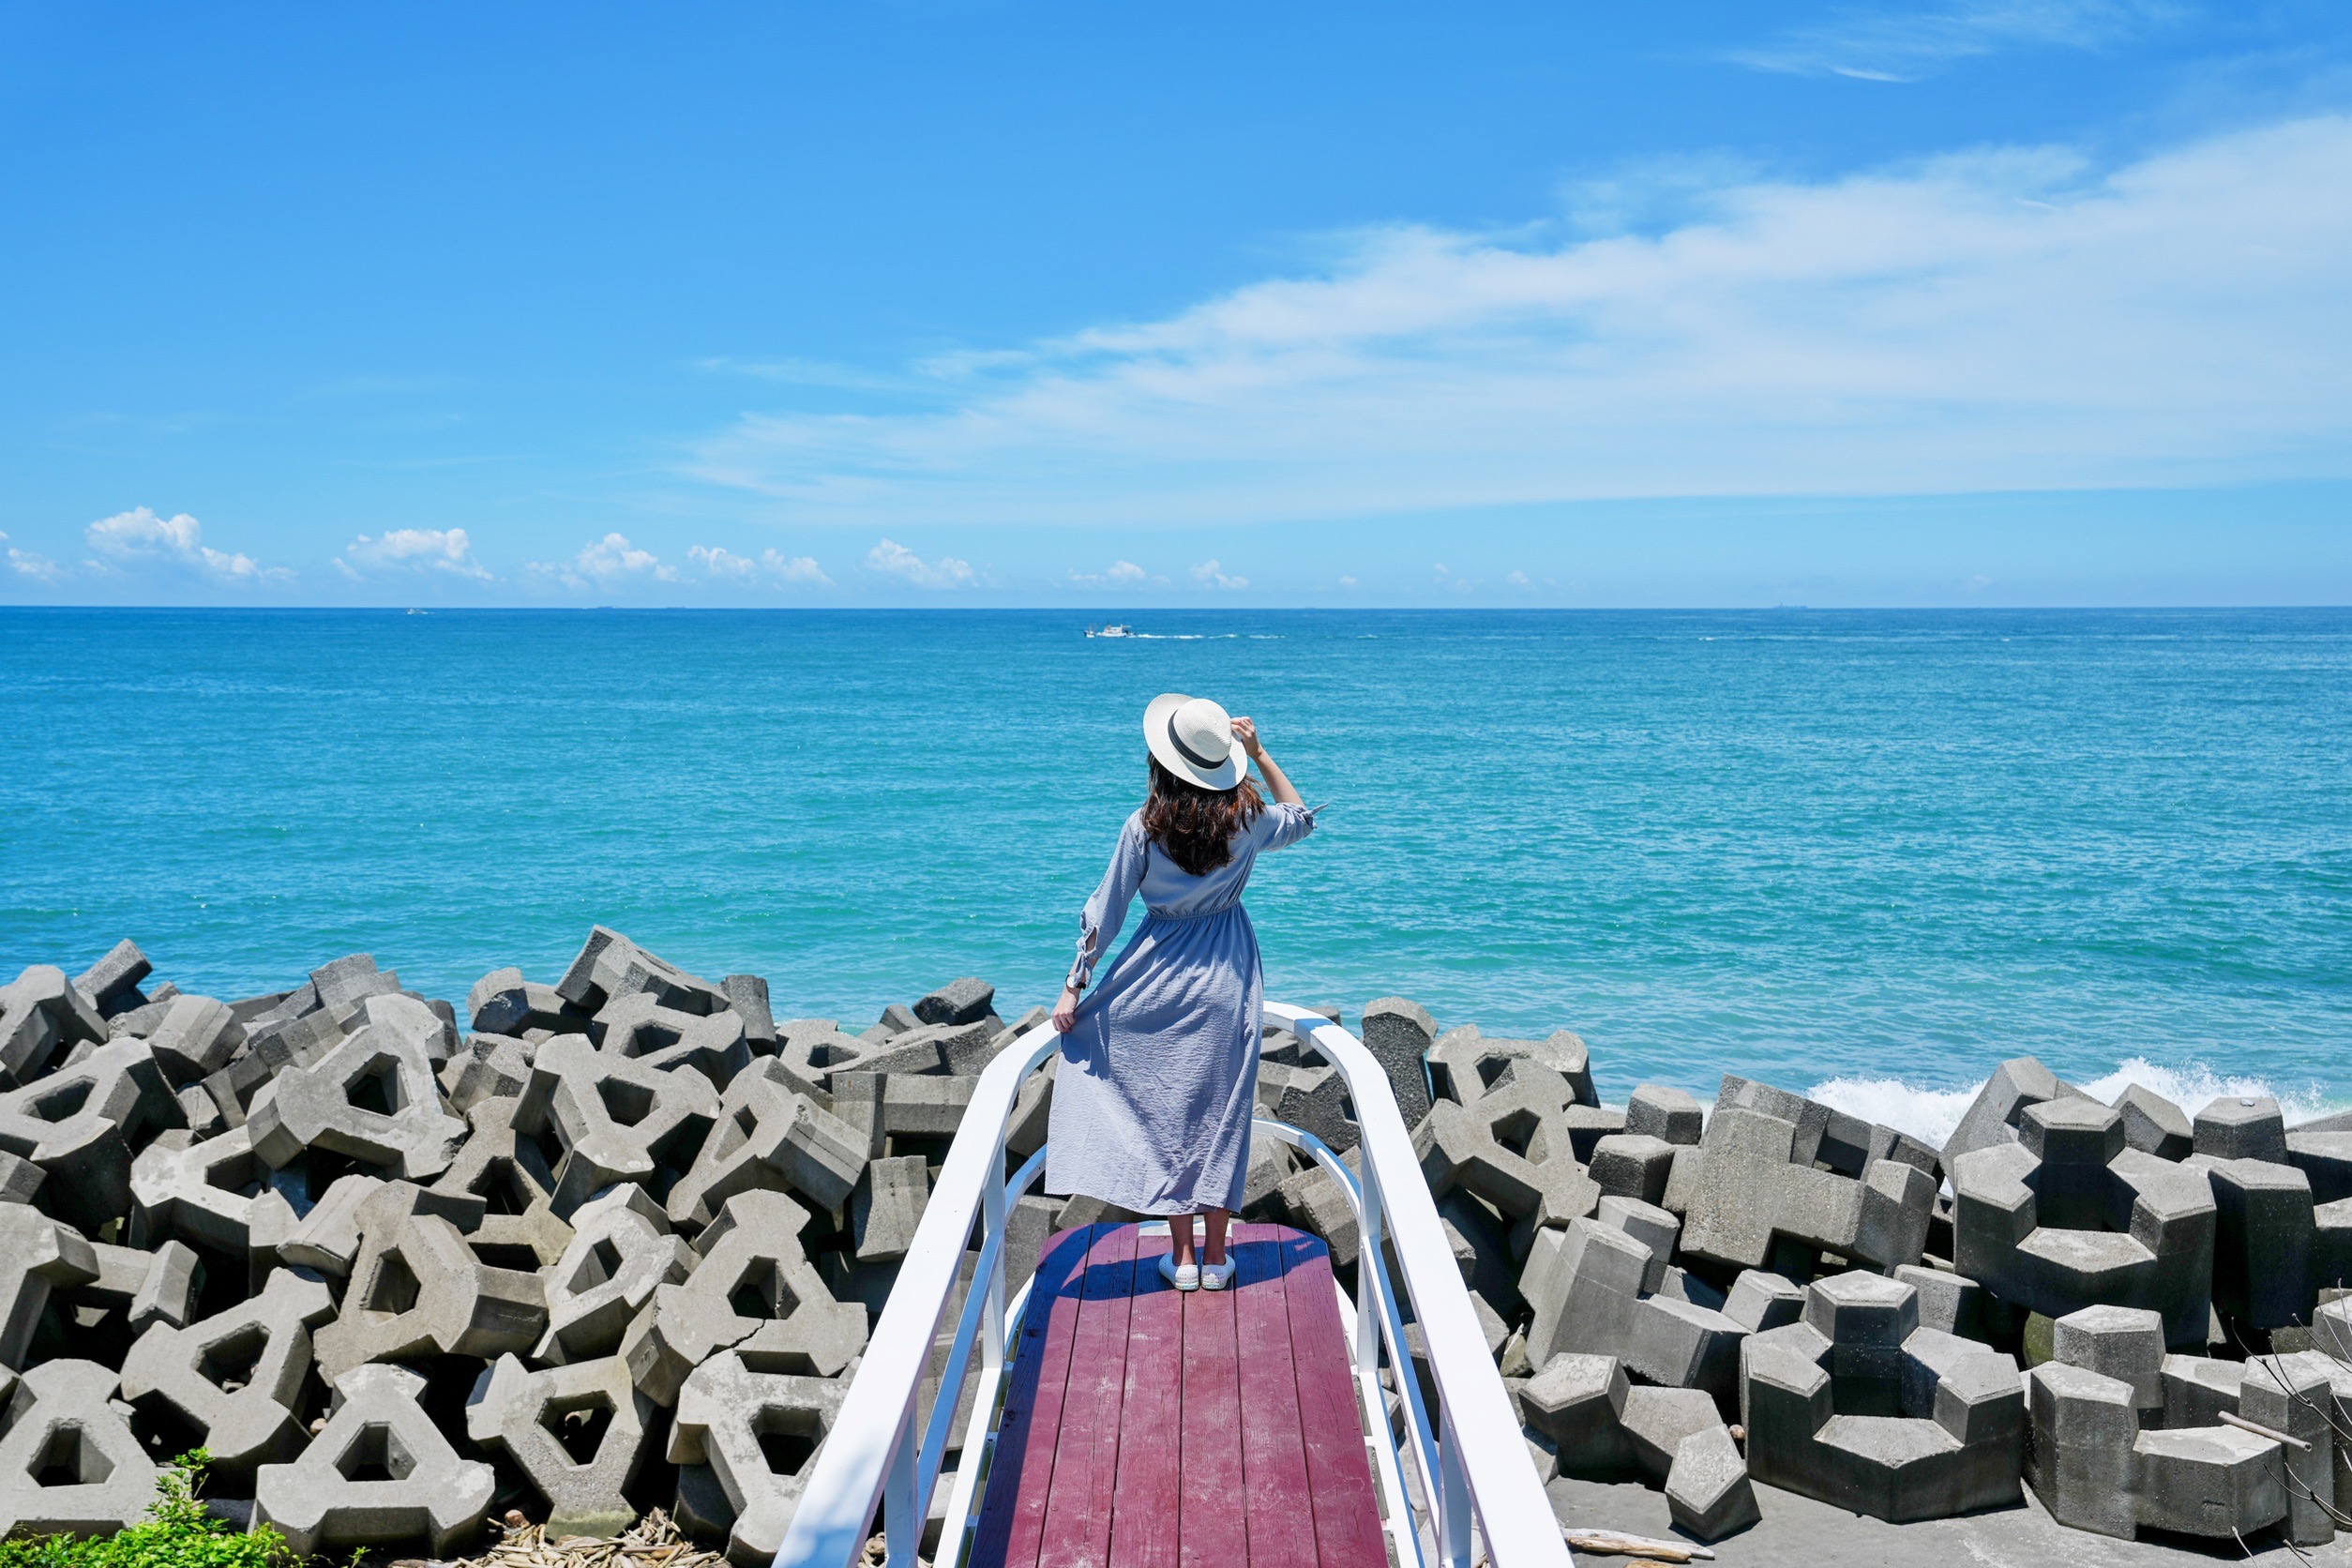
(1195, 826)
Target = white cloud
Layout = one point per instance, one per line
(725, 563)
(140, 539)
(2004, 319)
(1886, 45)
(430, 549)
(606, 562)
(794, 568)
(1519, 579)
(1347, 583)
(896, 559)
(1212, 572)
(1119, 573)
(27, 563)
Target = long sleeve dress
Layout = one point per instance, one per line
(1157, 1084)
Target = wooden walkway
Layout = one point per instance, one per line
(1146, 1427)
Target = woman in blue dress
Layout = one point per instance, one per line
(1158, 1076)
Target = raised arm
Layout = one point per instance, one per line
(1285, 794)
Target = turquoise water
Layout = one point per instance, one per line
(1876, 851)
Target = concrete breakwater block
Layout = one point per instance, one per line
(557, 1221)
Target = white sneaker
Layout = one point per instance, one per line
(1216, 1276)
(1184, 1276)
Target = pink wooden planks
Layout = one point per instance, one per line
(1274, 1448)
(1211, 1484)
(1013, 1513)
(1148, 1429)
(1338, 1474)
(1143, 1517)
(1077, 1530)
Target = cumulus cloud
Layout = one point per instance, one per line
(724, 563)
(140, 540)
(2003, 319)
(773, 567)
(606, 562)
(794, 568)
(25, 562)
(896, 559)
(445, 550)
(1215, 574)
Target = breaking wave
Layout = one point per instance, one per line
(1931, 1114)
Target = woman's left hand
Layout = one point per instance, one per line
(1065, 1011)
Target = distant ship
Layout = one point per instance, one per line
(1113, 630)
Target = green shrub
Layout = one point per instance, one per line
(176, 1533)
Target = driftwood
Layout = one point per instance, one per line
(1610, 1542)
(653, 1541)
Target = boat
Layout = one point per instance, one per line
(1112, 630)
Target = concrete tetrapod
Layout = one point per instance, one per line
(621, 1249)
(1861, 1407)
(379, 1471)
(372, 1099)
(37, 1255)
(577, 1433)
(80, 1123)
(759, 1432)
(754, 1291)
(617, 1119)
(1511, 1146)
(2067, 1217)
(1760, 1188)
(69, 1464)
(200, 1191)
(237, 1377)
(417, 1289)
(1586, 1287)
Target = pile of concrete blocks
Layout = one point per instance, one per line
(2228, 1224)
(580, 1248)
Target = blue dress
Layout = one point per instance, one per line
(1157, 1084)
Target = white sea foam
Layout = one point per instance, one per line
(1931, 1114)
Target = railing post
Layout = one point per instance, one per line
(1369, 1269)
(992, 1224)
(1453, 1510)
(902, 1532)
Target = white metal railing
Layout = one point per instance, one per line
(1470, 1463)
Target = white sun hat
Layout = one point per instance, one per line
(1193, 738)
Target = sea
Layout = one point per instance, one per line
(1861, 854)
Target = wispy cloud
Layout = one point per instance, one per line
(140, 542)
(773, 565)
(1886, 45)
(444, 550)
(31, 563)
(1213, 573)
(608, 562)
(896, 559)
(1119, 573)
(2006, 319)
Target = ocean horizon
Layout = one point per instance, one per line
(1861, 853)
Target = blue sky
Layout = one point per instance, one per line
(1108, 306)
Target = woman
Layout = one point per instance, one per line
(1158, 1080)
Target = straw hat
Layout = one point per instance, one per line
(1193, 738)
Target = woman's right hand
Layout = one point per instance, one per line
(1065, 1011)
(1245, 732)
